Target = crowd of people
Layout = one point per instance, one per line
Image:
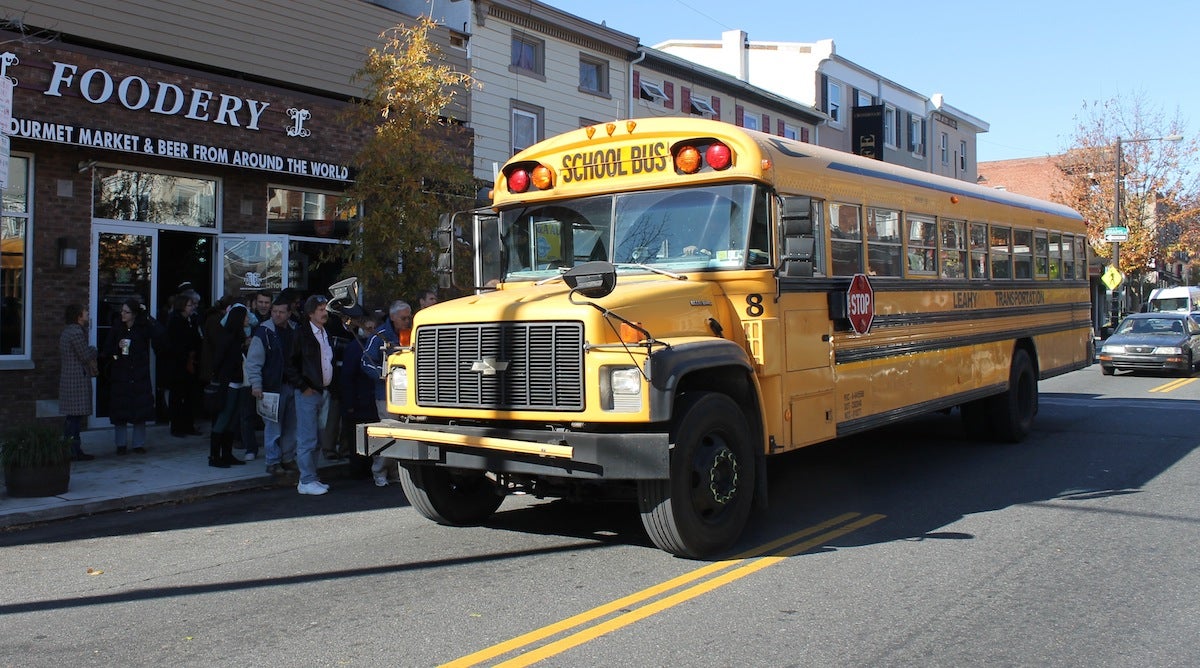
(285, 364)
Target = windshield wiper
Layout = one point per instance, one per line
(655, 270)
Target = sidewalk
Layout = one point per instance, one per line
(172, 469)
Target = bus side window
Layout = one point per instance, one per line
(845, 239)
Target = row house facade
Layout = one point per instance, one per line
(868, 114)
(666, 85)
(157, 143)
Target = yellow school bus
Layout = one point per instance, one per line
(662, 305)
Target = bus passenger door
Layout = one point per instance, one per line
(807, 330)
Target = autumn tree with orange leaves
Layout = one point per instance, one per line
(412, 165)
(1160, 193)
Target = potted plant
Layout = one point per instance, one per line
(36, 460)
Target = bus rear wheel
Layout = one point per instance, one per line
(703, 507)
(1012, 412)
(450, 496)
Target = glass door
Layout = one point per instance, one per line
(251, 262)
(124, 269)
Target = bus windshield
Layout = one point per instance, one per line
(717, 227)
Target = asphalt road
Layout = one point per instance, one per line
(905, 546)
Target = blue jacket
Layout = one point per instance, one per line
(357, 388)
(267, 355)
(372, 361)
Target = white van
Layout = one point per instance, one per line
(1181, 298)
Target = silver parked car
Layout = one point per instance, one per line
(1152, 342)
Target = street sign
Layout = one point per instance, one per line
(860, 304)
(1116, 234)
(1112, 277)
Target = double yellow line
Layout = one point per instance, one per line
(1173, 385)
(758, 558)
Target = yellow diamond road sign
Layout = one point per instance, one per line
(1112, 277)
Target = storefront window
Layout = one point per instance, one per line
(303, 213)
(14, 262)
(152, 197)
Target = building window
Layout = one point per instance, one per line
(528, 55)
(834, 102)
(593, 75)
(702, 106)
(945, 146)
(750, 121)
(962, 155)
(790, 132)
(527, 123)
(916, 135)
(891, 126)
(863, 99)
(305, 213)
(15, 233)
(652, 92)
(153, 197)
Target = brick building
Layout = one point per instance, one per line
(155, 143)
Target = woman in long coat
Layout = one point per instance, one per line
(75, 378)
(126, 351)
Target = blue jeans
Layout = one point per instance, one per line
(279, 438)
(121, 434)
(308, 429)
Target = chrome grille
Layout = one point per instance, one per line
(511, 366)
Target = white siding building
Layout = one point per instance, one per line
(868, 113)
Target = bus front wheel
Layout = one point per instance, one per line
(704, 506)
(450, 496)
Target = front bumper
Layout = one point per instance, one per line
(566, 454)
(1145, 362)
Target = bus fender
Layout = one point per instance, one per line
(669, 367)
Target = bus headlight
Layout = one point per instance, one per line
(621, 388)
(398, 386)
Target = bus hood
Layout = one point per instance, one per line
(666, 307)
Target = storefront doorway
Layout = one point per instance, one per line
(133, 261)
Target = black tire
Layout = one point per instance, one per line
(1107, 370)
(1013, 411)
(702, 509)
(450, 496)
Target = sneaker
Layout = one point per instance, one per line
(312, 488)
(290, 466)
(318, 482)
(275, 470)
(249, 456)
(381, 479)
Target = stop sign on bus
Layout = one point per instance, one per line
(860, 304)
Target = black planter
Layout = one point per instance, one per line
(49, 480)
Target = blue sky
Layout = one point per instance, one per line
(1024, 67)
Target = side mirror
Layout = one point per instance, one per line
(343, 295)
(594, 279)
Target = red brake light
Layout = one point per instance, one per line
(518, 181)
(718, 156)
